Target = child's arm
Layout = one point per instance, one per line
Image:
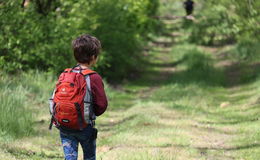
(98, 94)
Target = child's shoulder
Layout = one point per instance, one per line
(96, 81)
(95, 76)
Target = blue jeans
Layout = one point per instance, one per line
(87, 139)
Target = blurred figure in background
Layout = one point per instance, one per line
(188, 5)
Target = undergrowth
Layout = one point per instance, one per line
(22, 96)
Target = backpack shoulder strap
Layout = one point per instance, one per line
(89, 115)
(67, 70)
(87, 71)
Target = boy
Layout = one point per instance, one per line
(86, 49)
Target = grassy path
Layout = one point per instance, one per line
(190, 103)
(174, 111)
(182, 119)
(171, 112)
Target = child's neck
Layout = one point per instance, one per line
(84, 66)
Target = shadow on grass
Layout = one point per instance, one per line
(222, 118)
(109, 126)
(241, 73)
(30, 154)
(194, 68)
(240, 147)
(199, 69)
(162, 65)
(234, 122)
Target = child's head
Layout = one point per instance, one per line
(86, 48)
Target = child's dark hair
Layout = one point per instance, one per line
(84, 47)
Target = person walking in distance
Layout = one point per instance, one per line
(188, 5)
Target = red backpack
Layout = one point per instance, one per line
(71, 104)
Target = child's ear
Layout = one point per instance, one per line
(93, 57)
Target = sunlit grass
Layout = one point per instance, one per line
(15, 116)
(22, 97)
(189, 114)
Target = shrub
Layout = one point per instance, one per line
(247, 50)
(221, 22)
(35, 39)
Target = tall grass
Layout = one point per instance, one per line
(15, 117)
(20, 95)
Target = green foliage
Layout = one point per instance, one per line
(247, 50)
(31, 40)
(220, 22)
(122, 27)
(214, 25)
(32, 37)
(248, 13)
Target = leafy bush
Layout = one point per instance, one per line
(35, 37)
(30, 40)
(220, 22)
(214, 26)
(247, 50)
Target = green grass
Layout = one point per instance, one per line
(21, 98)
(189, 112)
(194, 114)
(15, 117)
(185, 105)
